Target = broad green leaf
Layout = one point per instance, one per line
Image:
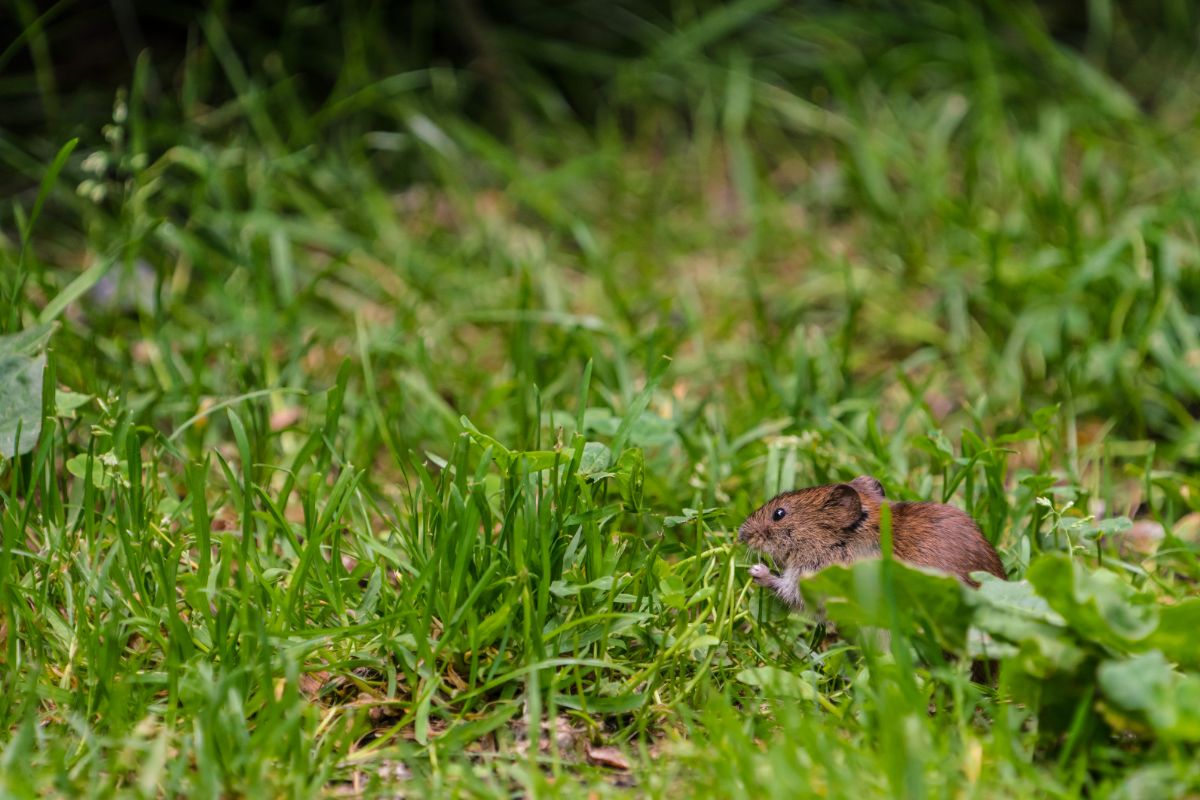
(631, 475)
(1014, 597)
(20, 404)
(980, 644)
(649, 430)
(78, 465)
(646, 429)
(1042, 649)
(66, 403)
(1178, 633)
(1098, 605)
(28, 342)
(561, 588)
(620, 704)
(689, 515)
(1149, 687)
(22, 365)
(1023, 627)
(853, 596)
(777, 682)
(501, 454)
(600, 420)
(674, 592)
(596, 459)
(538, 460)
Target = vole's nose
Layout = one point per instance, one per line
(743, 532)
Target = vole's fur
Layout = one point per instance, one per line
(839, 523)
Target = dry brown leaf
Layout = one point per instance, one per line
(311, 683)
(566, 736)
(455, 680)
(609, 757)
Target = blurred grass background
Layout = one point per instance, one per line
(325, 271)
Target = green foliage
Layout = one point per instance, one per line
(1147, 685)
(390, 444)
(929, 604)
(1097, 604)
(22, 362)
(1066, 624)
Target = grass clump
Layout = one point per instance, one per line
(391, 443)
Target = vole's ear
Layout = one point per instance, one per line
(843, 506)
(868, 487)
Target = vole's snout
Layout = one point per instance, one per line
(744, 532)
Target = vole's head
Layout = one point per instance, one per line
(810, 528)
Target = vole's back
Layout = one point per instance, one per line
(942, 537)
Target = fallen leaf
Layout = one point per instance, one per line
(311, 683)
(565, 735)
(609, 757)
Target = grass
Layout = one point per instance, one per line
(387, 450)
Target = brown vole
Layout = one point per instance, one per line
(809, 529)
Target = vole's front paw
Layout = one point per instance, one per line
(761, 574)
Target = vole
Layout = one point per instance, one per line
(809, 529)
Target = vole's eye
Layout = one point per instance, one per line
(779, 514)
